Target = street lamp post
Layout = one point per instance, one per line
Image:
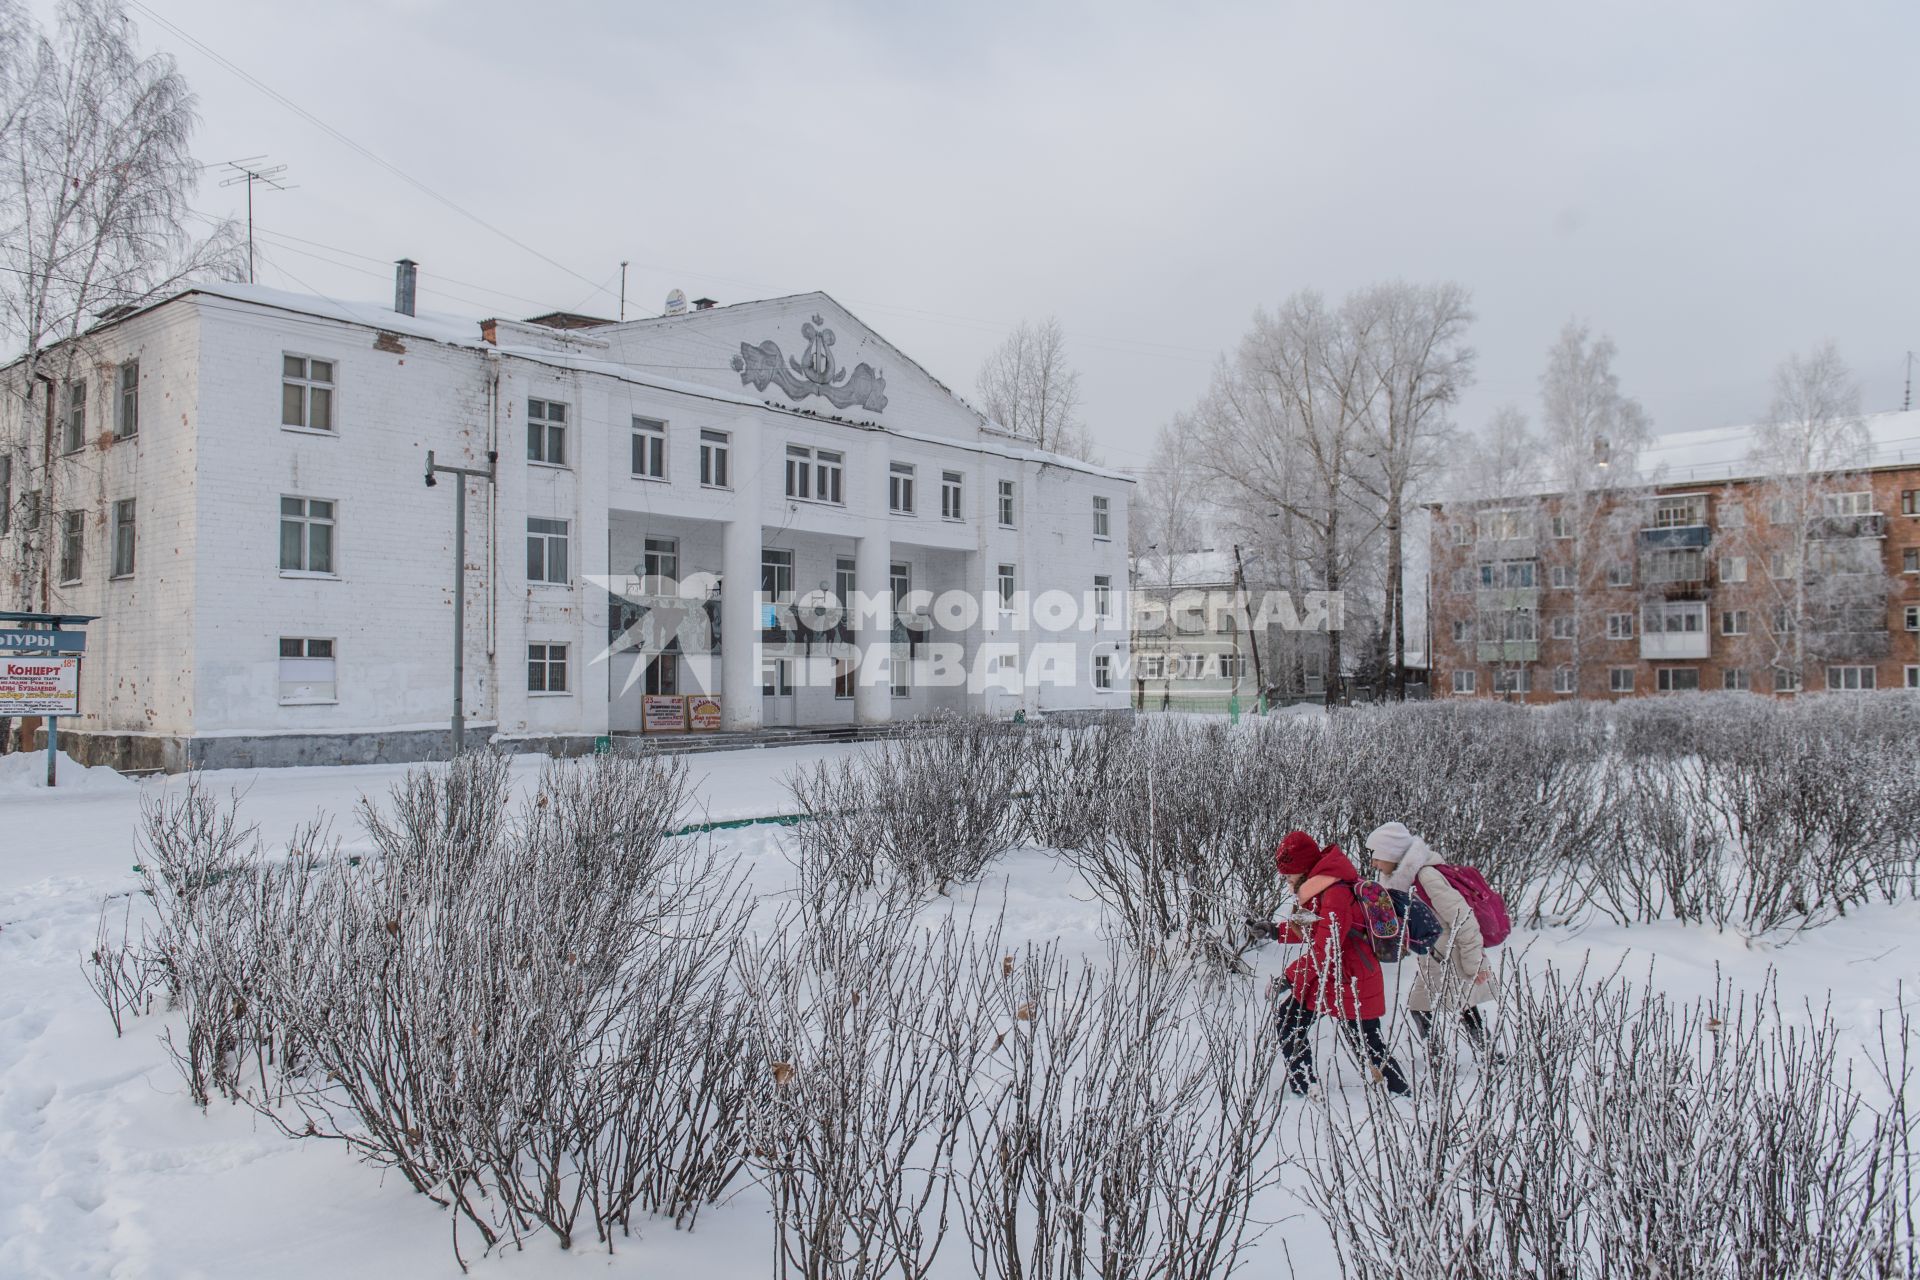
(460, 582)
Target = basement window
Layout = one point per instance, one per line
(307, 671)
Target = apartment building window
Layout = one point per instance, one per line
(1563, 680)
(843, 679)
(902, 678)
(1848, 504)
(1560, 577)
(1733, 622)
(306, 393)
(1678, 513)
(843, 584)
(1463, 682)
(649, 449)
(1006, 580)
(951, 493)
(1783, 564)
(73, 545)
(776, 574)
(1779, 511)
(1677, 679)
(1103, 596)
(1733, 568)
(1233, 666)
(1681, 564)
(123, 538)
(715, 446)
(546, 668)
(1909, 558)
(1785, 681)
(1850, 679)
(1513, 680)
(899, 582)
(1006, 504)
(1512, 575)
(1563, 627)
(1783, 624)
(1101, 518)
(1150, 666)
(1462, 533)
(1561, 527)
(1910, 502)
(1736, 679)
(814, 475)
(73, 423)
(1103, 671)
(1620, 573)
(1619, 626)
(1462, 631)
(306, 535)
(900, 488)
(547, 432)
(547, 551)
(1502, 525)
(1460, 581)
(1675, 618)
(1619, 679)
(1913, 677)
(126, 401)
(308, 674)
(1912, 613)
(660, 558)
(1731, 515)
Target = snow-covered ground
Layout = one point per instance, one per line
(106, 1168)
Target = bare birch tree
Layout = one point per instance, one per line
(1027, 386)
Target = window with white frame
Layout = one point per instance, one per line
(73, 545)
(1563, 680)
(1674, 617)
(1462, 532)
(1503, 524)
(845, 679)
(1850, 679)
(1462, 631)
(1510, 575)
(1563, 626)
(1736, 679)
(899, 583)
(1913, 677)
(123, 539)
(547, 559)
(1678, 512)
(1910, 502)
(1562, 527)
(308, 674)
(1783, 620)
(1734, 622)
(900, 488)
(1101, 518)
(547, 432)
(73, 421)
(1677, 679)
(649, 449)
(1848, 504)
(663, 675)
(306, 393)
(1103, 671)
(776, 574)
(307, 535)
(1910, 560)
(660, 558)
(1782, 565)
(1785, 681)
(1733, 568)
(546, 667)
(1463, 681)
(1560, 577)
(1620, 573)
(815, 475)
(1005, 578)
(1149, 666)
(1520, 625)
(126, 400)
(1677, 564)
(1619, 626)
(1006, 504)
(1779, 511)
(1619, 679)
(715, 448)
(1912, 613)
(1102, 596)
(951, 492)
(1513, 680)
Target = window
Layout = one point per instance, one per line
(1782, 620)
(1913, 677)
(1782, 564)
(649, 449)
(1737, 679)
(1461, 581)
(73, 423)
(1848, 504)
(1785, 681)
(1677, 513)
(814, 475)
(1462, 631)
(307, 672)
(1909, 558)
(1520, 625)
(776, 574)
(714, 448)
(6, 494)
(306, 393)
(902, 682)
(899, 582)
(900, 488)
(126, 401)
(1560, 577)
(1510, 575)
(1677, 564)
(1733, 568)
(1233, 666)
(1006, 586)
(1912, 613)
(1779, 511)
(1102, 595)
(1850, 679)
(1677, 679)
(73, 544)
(843, 679)
(1734, 622)
(1503, 525)
(1732, 516)
(1462, 533)
(663, 675)
(660, 558)
(1006, 504)
(1619, 626)
(1561, 527)
(1563, 679)
(1103, 671)
(1675, 618)
(306, 535)
(1100, 518)
(1563, 627)
(1910, 502)
(950, 495)
(1463, 682)
(547, 432)
(123, 538)
(776, 678)
(546, 668)
(1620, 573)
(547, 551)
(1619, 679)
(1513, 680)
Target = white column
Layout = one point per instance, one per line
(872, 556)
(740, 584)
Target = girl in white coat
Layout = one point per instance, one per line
(1455, 975)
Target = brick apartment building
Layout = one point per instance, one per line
(1701, 573)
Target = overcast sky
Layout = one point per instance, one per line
(1715, 185)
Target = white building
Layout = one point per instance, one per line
(235, 487)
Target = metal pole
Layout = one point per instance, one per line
(53, 747)
(459, 615)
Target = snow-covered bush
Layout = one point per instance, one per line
(1066, 779)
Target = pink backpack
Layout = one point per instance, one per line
(1489, 908)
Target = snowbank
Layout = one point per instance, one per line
(26, 771)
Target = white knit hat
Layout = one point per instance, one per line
(1390, 841)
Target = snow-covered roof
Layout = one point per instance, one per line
(1207, 567)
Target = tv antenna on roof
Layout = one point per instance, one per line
(249, 170)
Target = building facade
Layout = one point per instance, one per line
(763, 511)
(1705, 574)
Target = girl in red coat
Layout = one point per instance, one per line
(1338, 974)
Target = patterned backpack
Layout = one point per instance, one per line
(1397, 922)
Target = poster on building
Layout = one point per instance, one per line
(703, 712)
(663, 713)
(39, 686)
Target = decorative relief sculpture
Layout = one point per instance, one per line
(815, 374)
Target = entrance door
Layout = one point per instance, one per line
(776, 694)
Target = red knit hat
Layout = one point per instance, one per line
(1296, 854)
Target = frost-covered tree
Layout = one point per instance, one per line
(1498, 473)
(1028, 386)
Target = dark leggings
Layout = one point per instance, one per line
(1296, 1022)
(1469, 1019)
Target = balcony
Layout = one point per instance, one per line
(1669, 645)
(1870, 524)
(1508, 651)
(1673, 537)
(1506, 599)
